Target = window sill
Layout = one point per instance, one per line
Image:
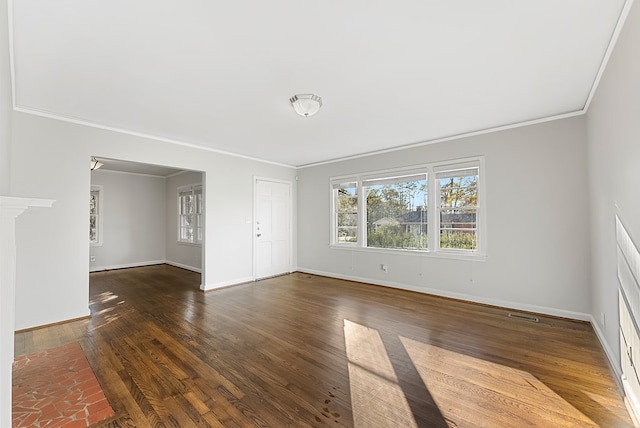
(189, 244)
(451, 255)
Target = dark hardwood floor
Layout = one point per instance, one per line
(302, 350)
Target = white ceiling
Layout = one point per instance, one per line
(219, 74)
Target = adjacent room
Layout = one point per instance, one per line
(354, 215)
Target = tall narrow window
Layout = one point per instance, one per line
(345, 200)
(190, 210)
(197, 194)
(95, 215)
(397, 211)
(458, 208)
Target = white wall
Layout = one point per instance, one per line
(537, 219)
(613, 126)
(180, 254)
(6, 103)
(49, 160)
(133, 220)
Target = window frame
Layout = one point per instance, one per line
(99, 216)
(197, 222)
(433, 208)
(335, 185)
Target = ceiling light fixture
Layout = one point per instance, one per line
(95, 163)
(306, 104)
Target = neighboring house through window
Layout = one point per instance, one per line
(436, 207)
(190, 210)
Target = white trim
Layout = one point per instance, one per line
(175, 174)
(611, 356)
(14, 202)
(137, 173)
(607, 55)
(544, 310)
(183, 266)
(82, 122)
(450, 138)
(128, 265)
(223, 284)
(442, 254)
(10, 208)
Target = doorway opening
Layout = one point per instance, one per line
(142, 214)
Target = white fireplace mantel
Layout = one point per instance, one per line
(10, 208)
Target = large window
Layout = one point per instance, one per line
(397, 211)
(435, 207)
(190, 214)
(95, 216)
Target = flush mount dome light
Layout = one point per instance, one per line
(306, 104)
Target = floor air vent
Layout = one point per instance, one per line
(524, 317)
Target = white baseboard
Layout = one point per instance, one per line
(183, 266)
(615, 364)
(223, 284)
(126, 265)
(149, 263)
(460, 296)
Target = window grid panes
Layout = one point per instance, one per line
(397, 214)
(94, 216)
(190, 214)
(434, 207)
(346, 213)
(458, 209)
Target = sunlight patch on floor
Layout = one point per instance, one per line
(463, 385)
(376, 398)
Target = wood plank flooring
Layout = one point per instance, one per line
(308, 351)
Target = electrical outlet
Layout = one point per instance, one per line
(384, 268)
(92, 258)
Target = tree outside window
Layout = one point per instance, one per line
(346, 212)
(458, 208)
(397, 212)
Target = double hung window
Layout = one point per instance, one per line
(190, 218)
(345, 212)
(95, 216)
(458, 208)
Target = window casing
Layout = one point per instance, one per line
(95, 216)
(345, 212)
(436, 208)
(190, 214)
(458, 208)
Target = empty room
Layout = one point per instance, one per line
(361, 214)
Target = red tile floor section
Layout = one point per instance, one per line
(57, 388)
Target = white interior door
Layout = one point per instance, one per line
(272, 229)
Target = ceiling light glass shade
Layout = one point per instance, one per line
(306, 104)
(95, 163)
